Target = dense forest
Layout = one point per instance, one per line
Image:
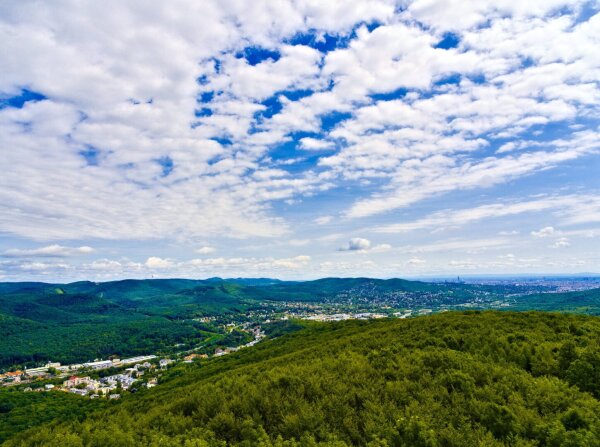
(451, 379)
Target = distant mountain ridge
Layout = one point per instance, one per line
(155, 286)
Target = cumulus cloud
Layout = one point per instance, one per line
(205, 250)
(312, 144)
(544, 232)
(356, 244)
(106, 265)
(359, 244)
(49, 251)
(155, 262)
(561, 242)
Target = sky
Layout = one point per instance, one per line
(298, 139)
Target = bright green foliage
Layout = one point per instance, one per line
(452, 379)
(583, 301)
(32, 342)
(20, 411)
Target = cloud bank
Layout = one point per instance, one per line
(134, 126)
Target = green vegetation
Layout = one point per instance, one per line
(20, 411)
(77, 322)
(82, 321)
(451, 379)
(72, 343)
(585, 301)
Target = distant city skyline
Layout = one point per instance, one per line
(299, 140)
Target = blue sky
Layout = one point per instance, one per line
(298, 139)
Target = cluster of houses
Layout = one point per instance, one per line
(52, 368)
(84, 386)
(12, 376)
(107, 386)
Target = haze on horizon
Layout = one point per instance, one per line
(298, 139)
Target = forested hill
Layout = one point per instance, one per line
(152, 287)
(131, 289)
(452, 379)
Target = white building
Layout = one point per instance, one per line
(79, 392)
(165, 362)
(102, 364)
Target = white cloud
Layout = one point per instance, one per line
(50, 251)
(571, 208)
(292, 263)
(108, 265)
(311, 144)
(464, 14)
(561, 242)
(507, 147)
(205, 250)
(362, 245)
(544, 232)
(381, 247)
(154, 262)
(43, 267)
(323, 220)
(356, 244)
(417, 180)
(246, 264)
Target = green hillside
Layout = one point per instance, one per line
(585, 301)
(452, 379)
(82, 321)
